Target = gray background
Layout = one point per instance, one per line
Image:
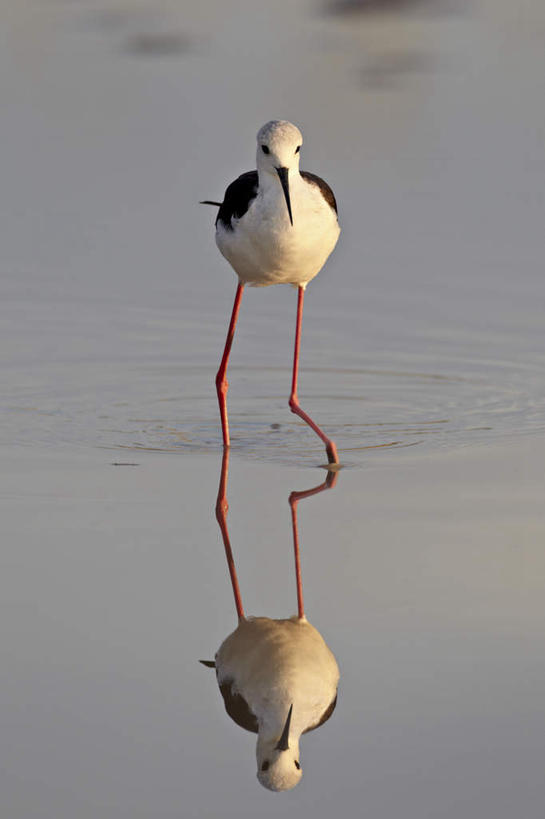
(422, 355)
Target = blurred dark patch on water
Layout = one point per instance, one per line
(142, 31)
(163, 44)
(385, 70)
(394, 6)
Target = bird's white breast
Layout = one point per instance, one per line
(264, 248)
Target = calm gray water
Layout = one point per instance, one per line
(423, 356)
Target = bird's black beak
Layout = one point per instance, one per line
(283, 743)
(283, 174)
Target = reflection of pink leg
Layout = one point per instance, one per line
(222, 507)
(330, 447)
(221, 381)
(294, 499)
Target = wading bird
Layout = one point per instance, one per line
(276, 225)
(278, 678)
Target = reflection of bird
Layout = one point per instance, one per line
(276, 225)
(278, 678)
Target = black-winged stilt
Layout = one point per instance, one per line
(278, 678)
(276, 225)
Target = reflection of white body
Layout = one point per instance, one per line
(268, 669)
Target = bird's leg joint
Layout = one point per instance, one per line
(222, 385)
(222, 507)
(293, 402)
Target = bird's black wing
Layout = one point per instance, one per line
(237, 707)
(325, 190)
(237, 199)
(325, 716)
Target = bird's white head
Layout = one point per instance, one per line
(278, 766)
(278, 146)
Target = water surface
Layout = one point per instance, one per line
(422, 355)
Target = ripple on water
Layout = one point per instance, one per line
(367, 412)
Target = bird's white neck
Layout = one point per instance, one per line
(271, 181)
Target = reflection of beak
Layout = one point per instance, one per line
(283, 174)
(283, 743)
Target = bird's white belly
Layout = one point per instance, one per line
(264, 248)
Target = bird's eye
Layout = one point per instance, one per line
(297, 149)
(265, 149)
(265, 766)
(297, 765)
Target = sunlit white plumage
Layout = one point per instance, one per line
(276, 225)
(262, 244)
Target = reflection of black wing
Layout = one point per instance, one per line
(237, 199)
(237, 708)
(325, 716)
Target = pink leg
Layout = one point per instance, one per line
(222, 507)
(294, 499)
(222, 384)
(330, 447)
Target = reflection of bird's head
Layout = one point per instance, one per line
(279, 770)
(278, 767)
